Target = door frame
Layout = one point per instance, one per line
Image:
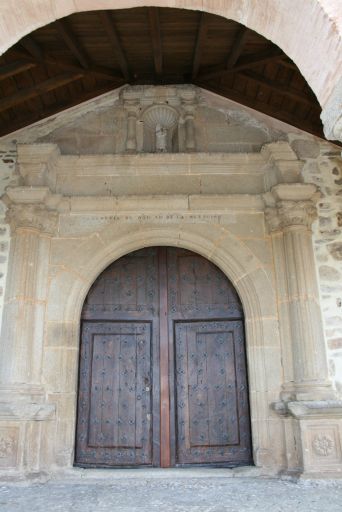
(257, 296)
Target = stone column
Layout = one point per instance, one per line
(23, 319)
(190, 142)
(131, 141)
(290, 212)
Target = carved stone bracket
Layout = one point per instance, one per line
(283, 163)
(37, 163)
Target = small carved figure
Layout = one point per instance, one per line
(161, 139)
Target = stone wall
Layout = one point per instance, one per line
(323, 166)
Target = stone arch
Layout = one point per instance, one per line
(253, 286)
(313, 45)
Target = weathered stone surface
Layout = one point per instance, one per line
(335, 343)
(181, 490)
(335, 250)
(306, 148)
(328, 273)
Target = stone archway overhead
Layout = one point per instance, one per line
(308, 32)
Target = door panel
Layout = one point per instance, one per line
(114, 417)
(211, 393)
(162, 377)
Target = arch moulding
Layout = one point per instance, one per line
(309, 32)
(244, 270)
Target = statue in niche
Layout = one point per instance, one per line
(161, 139)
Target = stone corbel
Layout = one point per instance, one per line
(37, 164)
(284, 163)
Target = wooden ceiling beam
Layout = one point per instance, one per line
(200, 40)
(262, 107)
(15, 68)
(38, 115)
(113, 36)
(237, 48)
(153, 15)
(32, 48)
(70, 40)
(243, 62)
(99, 71)
(38, 89)
(279, 88)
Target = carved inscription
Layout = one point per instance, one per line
(86, 223)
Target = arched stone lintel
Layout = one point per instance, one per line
(251, 284)
(229, 254)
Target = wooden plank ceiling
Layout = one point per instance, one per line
(86, 54)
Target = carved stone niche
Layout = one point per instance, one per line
(159, 123)
(160, 119)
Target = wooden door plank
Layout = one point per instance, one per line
(165, 453)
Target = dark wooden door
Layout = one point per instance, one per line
(162, 377)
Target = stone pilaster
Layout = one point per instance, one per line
(290, 212)
(190, 142)
(131, 141)
(23, 322)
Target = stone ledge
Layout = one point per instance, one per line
(310, 409)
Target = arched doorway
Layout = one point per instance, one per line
(162, 378)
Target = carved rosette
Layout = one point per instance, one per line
(323, 445)
(26, 216)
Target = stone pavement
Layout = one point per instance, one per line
(171, 490)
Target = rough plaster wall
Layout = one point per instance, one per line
(322, 166)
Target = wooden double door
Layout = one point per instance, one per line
(162, 376)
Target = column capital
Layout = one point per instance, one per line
(132, 107)
(290, 205)
(32, 216)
